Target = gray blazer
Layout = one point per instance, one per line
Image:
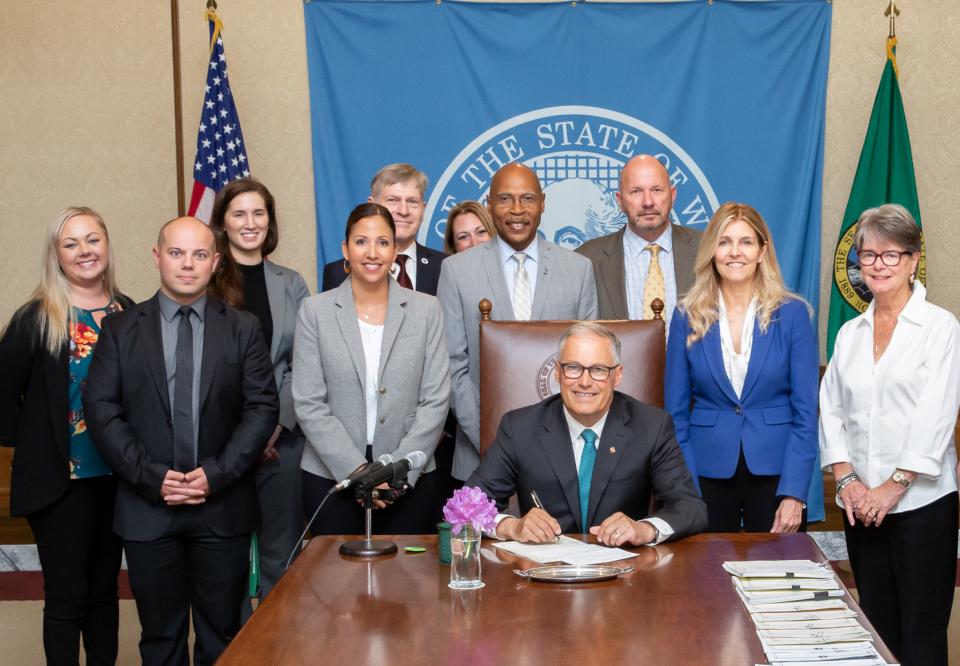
(565, 289)
(286, 289)
(328, 381)
(606, 253)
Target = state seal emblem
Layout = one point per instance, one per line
(577, 152)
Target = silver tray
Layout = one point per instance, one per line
(568, 573)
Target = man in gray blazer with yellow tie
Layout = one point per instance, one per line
(648, 245)
(523, 275)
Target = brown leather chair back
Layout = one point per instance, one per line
(517, 361)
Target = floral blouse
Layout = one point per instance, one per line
(85, 460)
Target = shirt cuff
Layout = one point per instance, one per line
(663, 527)
(919, 463)
(493, 533)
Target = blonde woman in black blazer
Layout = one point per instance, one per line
(60, 482)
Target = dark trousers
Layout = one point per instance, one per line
(906, 572)
(80, 559)
(417, 512)
(281, 508)
(744, 500)
(189, 568)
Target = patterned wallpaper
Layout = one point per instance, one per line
(88, 117)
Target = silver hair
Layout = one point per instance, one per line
(890, 222)
(592, 328)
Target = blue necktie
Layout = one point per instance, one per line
(587, 458)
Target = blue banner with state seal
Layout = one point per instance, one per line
(729, 94)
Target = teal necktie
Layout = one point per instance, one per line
(587, 458)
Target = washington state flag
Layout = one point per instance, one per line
(884, 175)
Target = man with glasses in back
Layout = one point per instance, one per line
(594, 457)
(401, 189)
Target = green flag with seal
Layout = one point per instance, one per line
(884, 175)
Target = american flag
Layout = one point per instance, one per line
(221, 152)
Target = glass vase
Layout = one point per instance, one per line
(465, 559)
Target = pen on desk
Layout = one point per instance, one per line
(537, 503)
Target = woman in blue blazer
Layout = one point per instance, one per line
(741, 380)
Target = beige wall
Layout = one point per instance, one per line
(87, 117)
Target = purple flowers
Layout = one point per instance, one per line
(470, 506)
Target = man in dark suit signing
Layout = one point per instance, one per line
(594, 456)
(649, 257)
(181, 403)
(401, 189)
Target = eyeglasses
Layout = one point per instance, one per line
(889, 258)
(394, 202)
(504, 200)
(598, 373)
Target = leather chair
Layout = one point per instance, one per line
(518, 358)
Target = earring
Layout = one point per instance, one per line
(346, 266)
(913, 278)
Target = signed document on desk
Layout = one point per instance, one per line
(568, 550)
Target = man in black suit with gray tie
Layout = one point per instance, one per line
(595, 457)
(181, 404)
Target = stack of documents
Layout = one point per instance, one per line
(571, 551)
(800, 615)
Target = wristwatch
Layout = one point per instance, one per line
(656, 533)
(900, 477)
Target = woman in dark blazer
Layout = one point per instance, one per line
(245, 222)
(60, 482)
(741, 380)
(370, 377)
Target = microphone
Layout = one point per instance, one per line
(389, 470)
(359, 472)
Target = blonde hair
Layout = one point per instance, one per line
(702, 302)
(53, 292)
(462, 208)
(398, 173)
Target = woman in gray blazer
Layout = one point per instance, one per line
(245, 224)
(370, 378)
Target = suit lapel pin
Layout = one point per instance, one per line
(613, 449)
(423, 260)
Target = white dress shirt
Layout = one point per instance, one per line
(509, 264)
(736, 364)
(371, 336)
(411, 265)
(899, 412)
(636, 263)
(577, 443)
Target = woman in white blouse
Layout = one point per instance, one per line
(888, 407)
(370, 377)
(741, 380)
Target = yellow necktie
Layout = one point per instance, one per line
(653, 286)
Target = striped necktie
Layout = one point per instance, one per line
(521, 289)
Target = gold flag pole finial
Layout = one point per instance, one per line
(891, 11)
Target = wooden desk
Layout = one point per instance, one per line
(678, 607)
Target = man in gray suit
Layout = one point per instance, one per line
(524, 276)
(622, 261)
(594, 457)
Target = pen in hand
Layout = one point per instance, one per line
(537, 503)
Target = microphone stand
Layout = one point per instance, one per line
(368, 547)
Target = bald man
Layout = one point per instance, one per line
(525, 277)
(623, 262)
(181, 400)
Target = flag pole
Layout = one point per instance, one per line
(893, 12)
(177, 106)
